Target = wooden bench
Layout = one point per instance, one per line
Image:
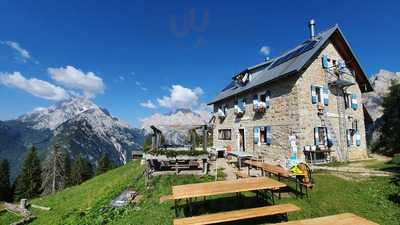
(279, 172)
(235, 215)
(342, 219)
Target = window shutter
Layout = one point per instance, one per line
(267, 97)
(326, 95)
(325, 62)
(354, 103)
(313, 94)
(268, 135)
(358, 138)
(316, 136)
(256, 135)
(329, 137)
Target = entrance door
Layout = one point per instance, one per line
(241, 140)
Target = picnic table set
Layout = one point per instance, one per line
(262, 184)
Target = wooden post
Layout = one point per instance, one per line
(205, 138)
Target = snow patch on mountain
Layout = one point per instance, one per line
(52, 117)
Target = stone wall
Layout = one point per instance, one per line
(282, 116)
(316, 75)
(291, 112)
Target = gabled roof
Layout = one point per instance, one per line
(294, 62)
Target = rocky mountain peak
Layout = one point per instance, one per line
(381, 82)
(53, 116)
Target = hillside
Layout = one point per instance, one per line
(88, 202)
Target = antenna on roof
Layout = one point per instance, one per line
(311, 25)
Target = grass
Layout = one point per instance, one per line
(88, 202)
(8, 218)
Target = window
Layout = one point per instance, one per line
(353, 134)
(262, 135)
(318, 91)
(263, 97)
(320, 136)
(319, 94)
(224, 134)
(347, 100)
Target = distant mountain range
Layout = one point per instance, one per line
(176, 124)
(77, 125)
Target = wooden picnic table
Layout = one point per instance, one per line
(342, 219)
(269, 168)
(189, 191)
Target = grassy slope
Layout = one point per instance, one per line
(78, 205)
(8, 218)
(85, 204)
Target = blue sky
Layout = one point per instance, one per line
(124, 53)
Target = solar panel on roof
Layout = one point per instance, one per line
(306, 47)
(230, 85)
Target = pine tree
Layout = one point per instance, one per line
(29, 181)
(81, 170)
(54, 175)
(103, 165)
(67, 169)
(390, 131)
(5, 189)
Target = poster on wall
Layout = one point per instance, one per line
(292, 161)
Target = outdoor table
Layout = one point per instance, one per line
(189, 191)
(342, 219)
(240, 155)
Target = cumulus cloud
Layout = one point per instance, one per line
(148, 104)
(265, 50)
(73, 78)
(36, 87)
(181, 97)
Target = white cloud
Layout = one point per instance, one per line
(70, 77)
(22, 54)
(148, 104)
(265, 50)
(140, 86)
(181, 97)
(122, 78)
(38, 88)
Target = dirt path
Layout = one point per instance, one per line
(358, 170)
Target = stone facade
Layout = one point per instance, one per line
(292, 113)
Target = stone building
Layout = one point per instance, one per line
(304, 105)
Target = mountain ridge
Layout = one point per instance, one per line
(77, 125)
